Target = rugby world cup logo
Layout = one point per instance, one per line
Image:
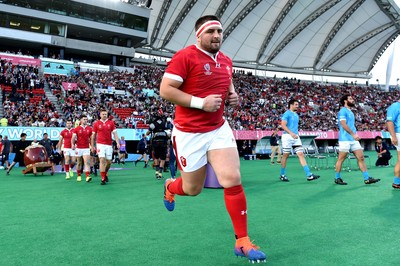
(207, 68)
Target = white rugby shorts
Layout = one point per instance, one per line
(191, 148)
(288, 141)
(104, 151)
(349, 146)
(68, 152)
(82, 152)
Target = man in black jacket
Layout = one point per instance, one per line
(383, 152)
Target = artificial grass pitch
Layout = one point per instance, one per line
(47, 220)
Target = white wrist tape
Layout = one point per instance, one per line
(196, 102)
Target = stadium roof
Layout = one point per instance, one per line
(319, 36)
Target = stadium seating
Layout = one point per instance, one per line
(263, 100)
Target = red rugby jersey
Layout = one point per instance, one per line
(67, 136)
(83, 135)
(104, 130)
(202, 75)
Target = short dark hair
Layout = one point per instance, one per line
(378, 137)
(204, 19)
(344, 98)
(83, 116)
(292, 101)
(23, 135)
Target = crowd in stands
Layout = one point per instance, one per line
(23, 97)
(132, 98)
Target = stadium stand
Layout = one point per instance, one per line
(132, 99)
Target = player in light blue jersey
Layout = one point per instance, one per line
(349, 141)
(393, 124)
(290, 139)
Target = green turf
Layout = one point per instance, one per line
(46, 220)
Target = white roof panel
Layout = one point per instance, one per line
(331, 35)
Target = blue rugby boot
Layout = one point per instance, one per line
(245, 248)
(169, 198)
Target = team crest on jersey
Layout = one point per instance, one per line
(183, 161)
(207, 68)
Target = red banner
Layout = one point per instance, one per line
(258, 134)
(20, 60)
(70, 86)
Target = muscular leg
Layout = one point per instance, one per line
(302, 159)
(361, 160)
(341, 157)
(108, 165)
(396, 179)
(103, 164)
(226, 165)
(284, 159)
(86, 161)
(79, 165)
(397, 166)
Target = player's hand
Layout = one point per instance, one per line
(294, 136)
(233, 98)
(212, 103)
(356, 137)
(395, 142)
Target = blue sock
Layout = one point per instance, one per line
(337, 175)
(307, 170)
(283, 171)
(396, 180)
(365, 175)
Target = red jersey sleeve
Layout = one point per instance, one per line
(179, 65)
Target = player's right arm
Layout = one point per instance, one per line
(348, 130)
(92, 138)
(390, 117)
(285, 127)
(59, 143)
(169, 90)
(343, 122)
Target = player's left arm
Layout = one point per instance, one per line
(92, 138)
(73, 141)
(233, 98)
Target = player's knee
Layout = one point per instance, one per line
(298, 150)
(194, 191)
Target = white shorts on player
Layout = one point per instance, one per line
(82, 152)
(68, 152)
(104, 151)
(191, 148)
(288, 142)
(349, 146)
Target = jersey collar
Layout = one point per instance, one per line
(213, 56)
